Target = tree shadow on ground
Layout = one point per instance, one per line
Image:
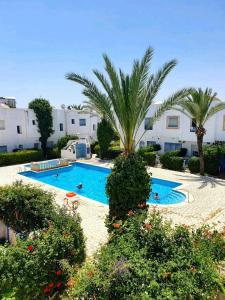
(204, 181)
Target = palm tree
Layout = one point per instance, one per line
(76, 107)
(200, 106)
(126, 98)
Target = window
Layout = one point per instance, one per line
(173, 122)
(36, 145)
(193, 125)
(72, 121)
(141, 144)
(61, 126)
(19, 129)
(82, 122)
(150, 143)
(2, 125)
(148, 126)
(3, 148)
(50, 144)
(171, 146)
(94, 127)
(223, 122)
(33, 122)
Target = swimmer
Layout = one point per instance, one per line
(56, 175)
(80, 186)
(156, 196)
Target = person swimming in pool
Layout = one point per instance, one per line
(56, 175)
(80, 186)
(156, 196)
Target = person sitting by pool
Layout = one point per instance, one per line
(80, 186)
(156, 196)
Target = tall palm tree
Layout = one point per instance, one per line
(200, 106)
(126, 99)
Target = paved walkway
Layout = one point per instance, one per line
(207, 206)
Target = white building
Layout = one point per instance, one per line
(9, 101)
(18, 127)
(175, 130)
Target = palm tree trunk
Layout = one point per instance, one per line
(200, 153)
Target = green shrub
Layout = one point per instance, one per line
(151, 259)
(97, 150)
(156, 147)
(143, 150)
(62, 142)
(20, 157)
(170, 161)
(25, 207)
(40, 267)
(127, 186)
(194, 165)
(149, 158)
(183, 152)
(53, 153)
(211, 159)
(93, 147)
(105, 134)
(111, 153)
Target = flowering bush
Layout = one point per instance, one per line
(147, 258)
(25, 207)
(40, 266)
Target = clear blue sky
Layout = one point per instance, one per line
(41, 40)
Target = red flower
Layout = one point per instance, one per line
(58, 273)
(116, 225)
(30, 248)
(51, 285)
(58, 285)
(46, 290)
(148, 226)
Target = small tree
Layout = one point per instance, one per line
(25, 208)
(62, 142)
(43, 111)
(127, 186)
(105, 134)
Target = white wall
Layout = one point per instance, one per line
(14, 117)
(161, 134)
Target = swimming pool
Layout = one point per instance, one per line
(94, 179)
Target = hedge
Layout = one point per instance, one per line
(211, 158)
(20, 157)
(25, 156)
(149, 158)
(112, 152)
(194, 165)
(171, 162)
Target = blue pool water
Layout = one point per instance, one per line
(94, 181)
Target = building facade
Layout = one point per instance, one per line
(175, 130)
(9, 101)
(18, 127)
